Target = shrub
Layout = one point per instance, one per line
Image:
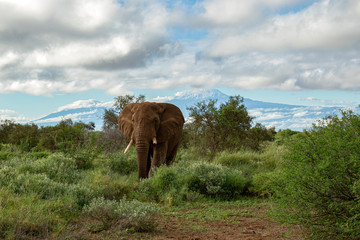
(123, 163)
(40, 184)
(256, 167)
(78, 194)
(285, 135)
(208, 179)
(108, 184)
(214, 180)
(56, 166)
(83, 160)
(238, 158)
(6, 155)
(124, 214)
(28, 217)
(185, 181)
(53, 177)
(38, 155)
(319, 179)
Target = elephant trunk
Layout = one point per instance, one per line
(142, 149)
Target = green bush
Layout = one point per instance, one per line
(6, 155)
(134, 215)
(109, 184)
(238, 158)
(285, 135)
(318, 183)
(9, 148)
(83, 160)
(188, 181)
(38, 155)
(207, 179)
(123, 163)
(53, 177)
(28, 217)
(79, 194)
(40, 184)
(256, 167)
(56, 166)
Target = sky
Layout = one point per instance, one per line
(53, 53)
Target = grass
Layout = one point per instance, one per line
(58, 198)
(209, 211)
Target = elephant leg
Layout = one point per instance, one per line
(148, 164)
(171, 156)
(158, 156)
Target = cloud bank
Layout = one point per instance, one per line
(47, 47)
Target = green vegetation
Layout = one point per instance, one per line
(318, 182)
(191, 181)
(135, 215)
(227, 127)
(69, 182)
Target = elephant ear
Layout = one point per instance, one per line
(171, 122)
(125, 120)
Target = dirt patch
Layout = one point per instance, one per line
(254, 226)
(207, 221)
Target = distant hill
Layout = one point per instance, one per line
(281, 116)
(83, 110)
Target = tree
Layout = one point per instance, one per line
(204, 128)
(26, 136)
(217, 127)
(6, 127)
(111, 114)
(65, 136)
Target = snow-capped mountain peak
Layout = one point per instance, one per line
(281, 116)
(200, 94)
(90, 103)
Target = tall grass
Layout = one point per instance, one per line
(41, 194)
(61, 189)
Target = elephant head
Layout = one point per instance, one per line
(156, 129)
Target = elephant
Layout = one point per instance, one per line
(156, 130)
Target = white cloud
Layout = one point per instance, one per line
(85, 104)
(7, 114)
(270, 116)
(234, 13)
(314, 48)
(65, 46)
(61, 46)
(162, 99)
(255, 113)
(325, 25)
(300, 114)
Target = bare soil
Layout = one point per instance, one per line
(198, 223)
(254, 226)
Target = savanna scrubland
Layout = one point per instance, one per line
(231, 179)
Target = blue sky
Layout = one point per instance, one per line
(53, 53)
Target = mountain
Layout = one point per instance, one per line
(189, 98)
(281, 116)
(83, 110)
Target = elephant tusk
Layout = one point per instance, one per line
(154, 140)
(128, 146)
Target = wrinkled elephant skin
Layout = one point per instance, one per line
(155, 129)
